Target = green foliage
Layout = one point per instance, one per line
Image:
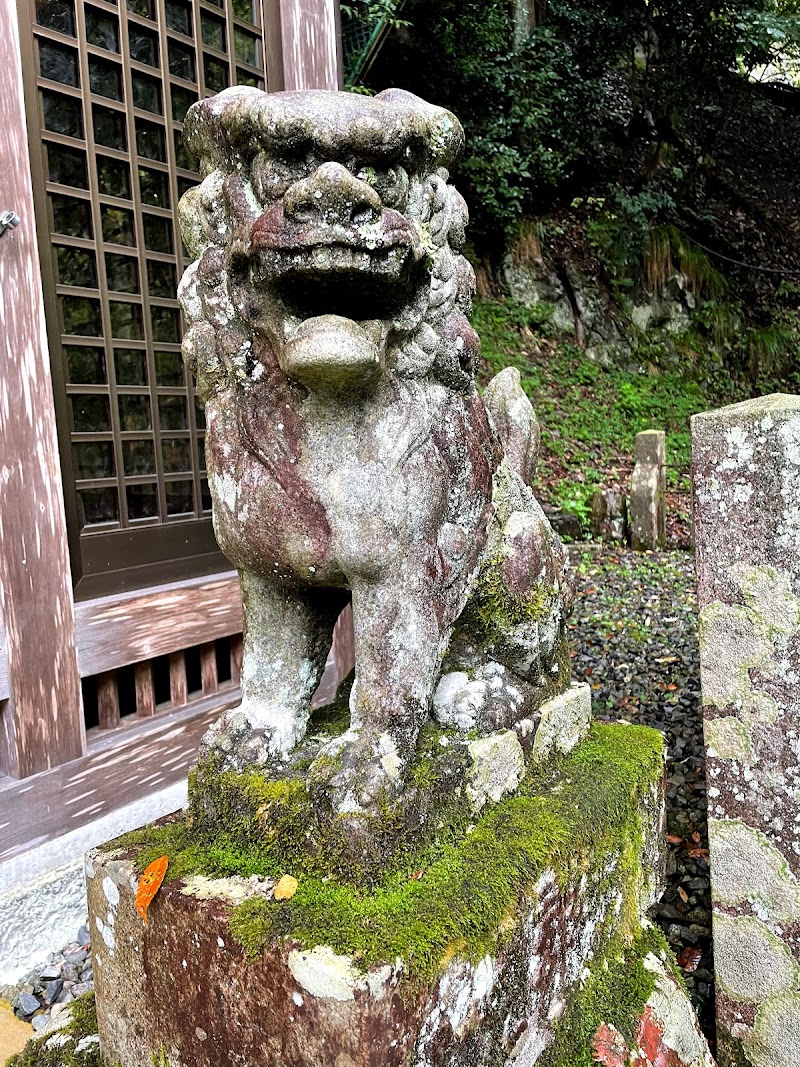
(763, 354)
(590, 414)
(770, 35)
(591, 89)
(531, 113)
(373, 11)
(669, 251)
(622, 230)
(364, 22)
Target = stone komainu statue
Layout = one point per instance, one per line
(349, 452)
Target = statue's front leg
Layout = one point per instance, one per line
(398, 643)
(287, 637)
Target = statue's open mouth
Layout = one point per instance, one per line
(357, 270)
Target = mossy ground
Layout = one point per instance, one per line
(590, 414)
(83, 1024)
(457, 893)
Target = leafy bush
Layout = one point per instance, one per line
(592, 91)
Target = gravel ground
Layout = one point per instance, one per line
(47, 991)
(635, 641)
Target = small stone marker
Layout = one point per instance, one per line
(647, 505)
(746, 470)
(609, 515)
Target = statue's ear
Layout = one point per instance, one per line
(442, 132)
(199, 216)
(221, 125)
(190, 222)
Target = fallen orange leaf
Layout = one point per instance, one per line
(286, 888)
(698, 853)
(149, 885)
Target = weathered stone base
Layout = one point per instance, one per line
(184, 987)
(559, 961)
(667, 1034)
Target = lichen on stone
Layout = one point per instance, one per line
(750, 962)
(776, 1035)
(728, 738)
(747, 868)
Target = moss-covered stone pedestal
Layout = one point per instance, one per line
(517, 937)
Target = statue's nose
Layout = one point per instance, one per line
(332, 194)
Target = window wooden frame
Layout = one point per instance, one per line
(163, 540)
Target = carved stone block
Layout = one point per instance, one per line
(746, 474)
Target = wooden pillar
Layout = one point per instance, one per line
(303, 44)
(42, 722)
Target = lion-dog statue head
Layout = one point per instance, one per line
(350, 456)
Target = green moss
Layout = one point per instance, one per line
(334, 718)
(83, 1023)
(458, 891)
(615, 993)
(497, 608)
(246, 823)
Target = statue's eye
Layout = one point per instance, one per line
(272, 177)
(391, 185)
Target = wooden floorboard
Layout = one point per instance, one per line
(122, 766)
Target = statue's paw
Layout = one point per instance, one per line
(359, 772)
(359, 799)
(489, 698)
(238, 744)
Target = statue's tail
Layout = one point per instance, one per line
(514, 421)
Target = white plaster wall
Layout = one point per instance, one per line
(43, 893)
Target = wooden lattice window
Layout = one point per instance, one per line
(113, 84)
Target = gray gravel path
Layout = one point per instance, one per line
(635, 641)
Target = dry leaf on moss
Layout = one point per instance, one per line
(286, 888)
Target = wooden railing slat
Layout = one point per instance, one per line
(178, 689)
(108, 700)
(237, 652)
(145, 693)
(208, 668)
(344, 653)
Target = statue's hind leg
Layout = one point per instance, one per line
(287, 636)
